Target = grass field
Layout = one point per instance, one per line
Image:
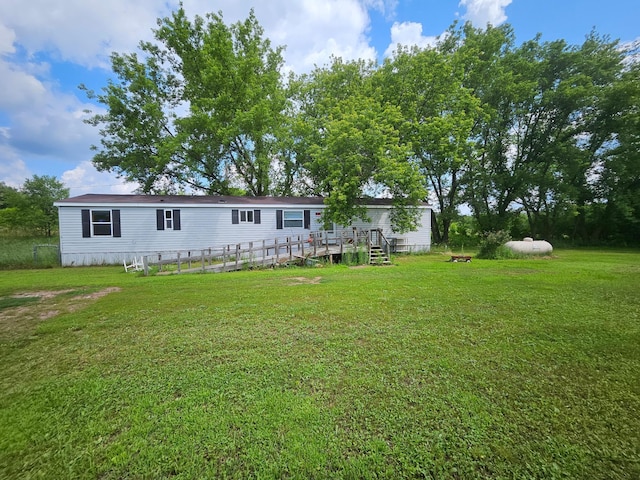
(426, 369)
(18, 252)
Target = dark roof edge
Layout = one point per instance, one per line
(96, 198)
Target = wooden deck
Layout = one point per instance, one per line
(269, 253)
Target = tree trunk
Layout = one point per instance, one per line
(435, 230)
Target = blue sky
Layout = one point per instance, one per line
(49, 47)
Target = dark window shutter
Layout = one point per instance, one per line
(86, 224)
(256, 216)
(115, 218)
(307, 219)
(160, 219)
(176, 219)
(234, 217)
(278, 219)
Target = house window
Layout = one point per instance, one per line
(293, 218)
(246, 216)
(101, 222)
(167, 219)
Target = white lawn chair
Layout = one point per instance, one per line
(135, 265)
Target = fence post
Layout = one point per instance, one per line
(145, 265)
(179, 266)
(237, 254)
(202, 259)
(277, 250)
(264, 253)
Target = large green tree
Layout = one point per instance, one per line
(350, 146)
(204, 108)
(439, 112)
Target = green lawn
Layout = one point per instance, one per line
(427, 369)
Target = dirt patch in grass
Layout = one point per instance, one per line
(42, 294)
(303, 281)
(14, 320)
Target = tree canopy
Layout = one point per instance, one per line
(542, 131)
(203, 109)
(30, 208)
(350, 145)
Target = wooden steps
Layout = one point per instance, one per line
(377, 256)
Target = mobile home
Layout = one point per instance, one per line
(108, 229)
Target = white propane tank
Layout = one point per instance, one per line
(529, 246)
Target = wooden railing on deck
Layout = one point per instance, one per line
(264, 253)
(230, 257)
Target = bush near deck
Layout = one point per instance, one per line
(492, 369)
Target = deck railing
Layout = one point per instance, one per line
(263, 253)
(230, 257)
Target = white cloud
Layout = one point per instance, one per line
(18, 88)
(313, 31)
(86, 179)
(80, 31)
(86, 32)
(482, 12)
(42, 119)
(13, 170)
(7, 37)
(408, 34)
